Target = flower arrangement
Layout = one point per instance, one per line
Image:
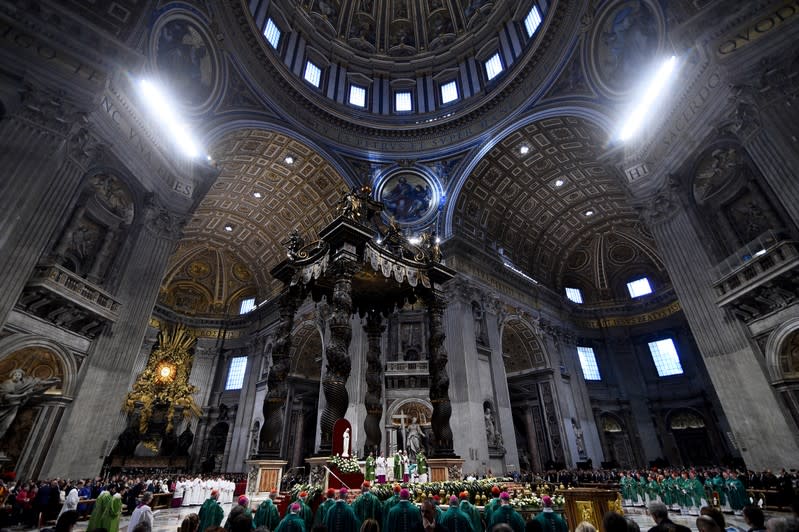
(313, 491)
(346, 465)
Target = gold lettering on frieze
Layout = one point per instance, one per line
(753, 31)
(201, 333)
(626, 321)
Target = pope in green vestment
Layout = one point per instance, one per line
(369, 468)
(292, 522)
(211, 513)
(267, 515)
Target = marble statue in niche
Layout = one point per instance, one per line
(17, 390)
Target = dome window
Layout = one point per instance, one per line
(313, 74)
(357, 96)
(235, 374)
(532, 21)
(493, 66)
(403, 101)
(588, 363)
(574, 294)
(639, 287)
(272, 33)
(449, 92)
(247, 305)
(665, 357)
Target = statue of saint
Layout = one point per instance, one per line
(414, 437)
(345, 449)
(15, 392)
(491, 431)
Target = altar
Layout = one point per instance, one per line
(263, 476)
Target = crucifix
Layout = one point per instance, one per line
(401, 417)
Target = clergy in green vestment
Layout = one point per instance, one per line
(550, 521)
(267, 514)
(242, 508)
(367, 505)
(369, 468)
(492, 504)
(504, 513)
(454, 520)
(421, 466)
(292, 522)
(340, 517)
(405, 516)
(696, 490)
(211, 513)
(306, 514)
(389, 503)
(106, 512)
(736, 493)
(397, 467)
(471, 512)
(319, 518)
(719, 486)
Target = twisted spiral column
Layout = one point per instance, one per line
(334, 384)
(271, 437)
(374, 384)
(439, 380)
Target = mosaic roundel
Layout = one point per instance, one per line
(626, 39)
(409, 197)
(186, 61)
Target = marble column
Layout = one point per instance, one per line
(274, 408)
(114, 353)
(339, 363)
(374, 384)
(439, 378)
(529, 430)
(46, 150)
(735, 368)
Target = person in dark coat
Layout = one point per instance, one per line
(660, 515)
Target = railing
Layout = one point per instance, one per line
(758, 265)
(76, 289)
(751, 251)
(416, 367)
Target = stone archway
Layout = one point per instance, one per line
(618, 448)
(782, 362)
(690, 434)
(43, 373)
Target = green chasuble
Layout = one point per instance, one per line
(291, 523)
(397, 468)
(112, 514)
(267, 515)
(211, 514)
(506, 514)
(367, 506)
(370, 469)
(736, 493)
(421, 463)
(100, 505)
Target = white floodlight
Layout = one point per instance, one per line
(649, 95)
(163, 110)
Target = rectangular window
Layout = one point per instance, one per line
(574, 295)
(588, 363)
(449, 92)
(357, 96)
(493, 66)
(665, 356)
(532, 21)
(313, 74)
(247, 305)
(402, 101)
(235, 375)
(639, 287)
(272, 33)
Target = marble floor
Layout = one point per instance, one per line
(168, 520)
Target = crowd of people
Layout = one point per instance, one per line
(366, 513)
(34, 504)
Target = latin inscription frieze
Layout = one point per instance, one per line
(762, 26)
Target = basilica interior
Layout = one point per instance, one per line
(535, 234)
